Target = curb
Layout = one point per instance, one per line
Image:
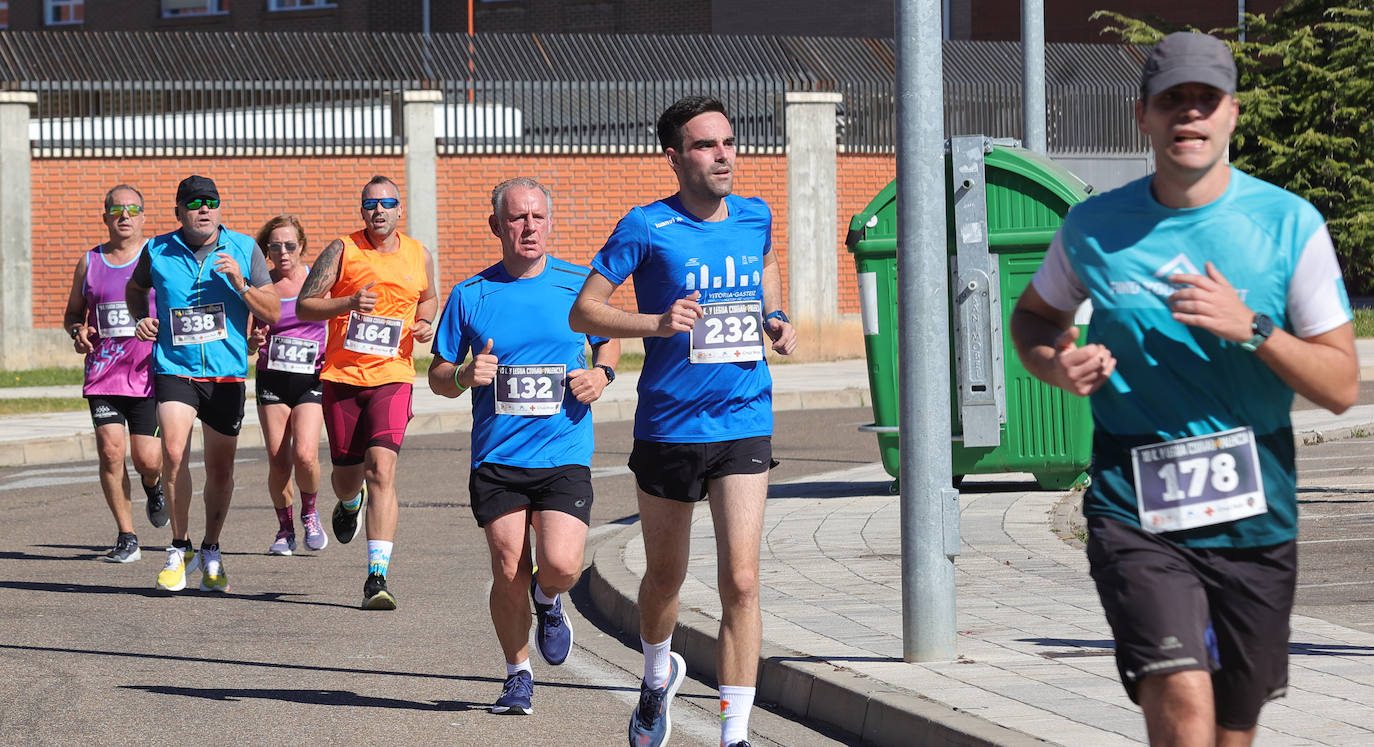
(803, 685)
(81, 446)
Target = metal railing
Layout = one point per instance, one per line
(184, 93)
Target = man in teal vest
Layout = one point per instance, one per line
(208, 280)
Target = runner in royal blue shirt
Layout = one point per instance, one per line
(532, 437)
(709, 297)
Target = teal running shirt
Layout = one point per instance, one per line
(1172, 380)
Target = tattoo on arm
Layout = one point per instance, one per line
(324, 272)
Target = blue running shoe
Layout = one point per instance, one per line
(650, 724)
(516, 695)
(553, 634)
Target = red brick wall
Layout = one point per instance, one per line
(860, 177)
(591, 192)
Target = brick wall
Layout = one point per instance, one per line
(591, 192)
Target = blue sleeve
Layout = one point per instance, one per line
(625, 249)
(449, 342)
(767, 235)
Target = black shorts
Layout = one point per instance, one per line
(680, 471)
(1220, 610)
(286, 388)
(218, 404)
(139, 413)
(497, 489)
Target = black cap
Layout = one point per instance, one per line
(1186, 57)
(195, 186)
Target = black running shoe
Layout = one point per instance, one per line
(125, 549)
(375, 595)
(345, 521)
(156, 505)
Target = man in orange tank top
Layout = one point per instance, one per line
(375, 287)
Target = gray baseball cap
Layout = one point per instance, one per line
(1186, 57)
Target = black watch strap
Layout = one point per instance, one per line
(610, 372)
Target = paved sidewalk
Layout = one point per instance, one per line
(1034, 661)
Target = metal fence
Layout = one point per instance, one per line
(186, 93)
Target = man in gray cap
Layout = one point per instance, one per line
(208, 280)
(1215, 296)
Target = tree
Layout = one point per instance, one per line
(1306, 93)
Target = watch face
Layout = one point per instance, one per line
(1262, 325)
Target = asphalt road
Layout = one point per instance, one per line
(92, 654)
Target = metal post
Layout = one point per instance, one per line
(928, 523)
(1033, 75)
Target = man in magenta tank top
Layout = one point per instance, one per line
(118, 382)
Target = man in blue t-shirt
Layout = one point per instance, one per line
(531, 425)
(708, 291)
(1215, 296)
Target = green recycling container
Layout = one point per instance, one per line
(1047, 432)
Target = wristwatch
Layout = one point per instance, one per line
(1262, 327)
(74, 331)
(610, 372)
(777, 314)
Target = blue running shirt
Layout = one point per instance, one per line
(527, 321)
(671, 253)
(1173, 380)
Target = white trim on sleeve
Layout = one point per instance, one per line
(1316, 298)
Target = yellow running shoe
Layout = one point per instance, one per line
(214, 577)
(180, 562)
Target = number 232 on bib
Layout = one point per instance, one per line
(728, 333)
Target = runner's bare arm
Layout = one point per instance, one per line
(428, 305)
(783, 334)
(314, 303)
(75, 315)
(136, 299)
(592, 315)
(1044, 337)
(264, 302)
(441, 378)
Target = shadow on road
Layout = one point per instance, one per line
(309, 697)
(72, 588)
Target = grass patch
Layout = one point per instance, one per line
(1364, 322)
(31, 405)
(41, 377)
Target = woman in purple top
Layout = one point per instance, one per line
(118, 383)
(288, 389)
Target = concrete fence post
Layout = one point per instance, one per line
(16, 228)
(422, 188)
(812, 232)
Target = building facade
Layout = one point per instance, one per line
(983, 20)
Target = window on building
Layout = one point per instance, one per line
(4, 14)
(60, 12)
(179, 8)
(299, 4)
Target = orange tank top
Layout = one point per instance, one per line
(359, 350)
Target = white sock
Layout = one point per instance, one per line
(523, 666)
(735, 703)
(656, 662)
(541, 597)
